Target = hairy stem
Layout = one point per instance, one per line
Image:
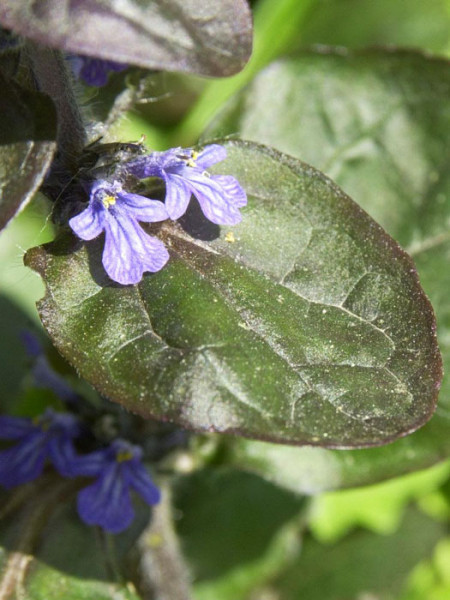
(163, 574)
(53, 78)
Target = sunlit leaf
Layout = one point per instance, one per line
(378, 123)
(310, 327)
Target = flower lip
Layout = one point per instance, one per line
(184, 172)
(119, 470)
(128, 251)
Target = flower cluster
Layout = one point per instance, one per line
(128, 250)
(116, 467)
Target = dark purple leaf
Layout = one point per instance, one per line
(305, 324)
(210, 38)
(27, 145)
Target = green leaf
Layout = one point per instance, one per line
(236, 531)
(221, 513)
(213, 38)
(43, 547)
(377, 507)
(430, 578)
(363, 23)
(348, 23)
(27, 145)
(362, 565)
(17, 282)
(378, 123)
(309, 328)
(245, 539)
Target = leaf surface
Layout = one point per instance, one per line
(309, 328)
(27, 145)
(210, 38)
(378, 123)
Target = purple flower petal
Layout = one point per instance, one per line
(45, 377)
(62, 453)
(218, 203)
(94, 71)
(142, 209)
(107, 501)
(117, 67)
(88, 224)
(232, 190)
(92, 464)
(50, 434)
(178, 195)
(156, 164)
(32, 343)
(24, 461)
(184, 173)
(129, 251)
(211, 155)
(61, 422)
(141, 482)
(14, 428)
(43, 374)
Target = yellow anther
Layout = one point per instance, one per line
(191, 161)
(108, 201)
(229, 237)
(123, 456)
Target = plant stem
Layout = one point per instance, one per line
(53, 78)
(163, 574)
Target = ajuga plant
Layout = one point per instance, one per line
(236, 313)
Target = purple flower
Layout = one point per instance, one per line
(184, 173)
(47, 436)
(128, 251)
(94, 71)
(107, 502)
